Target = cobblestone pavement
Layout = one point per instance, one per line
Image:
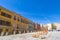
(28, 36)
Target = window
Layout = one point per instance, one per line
(3, 14)
(24, 21)
(18, 19)
(2, 22)
(9, 16)
(6, 23)
(6, 15)
(0, 9)
(14, 17)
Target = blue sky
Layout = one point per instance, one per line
(40, 11)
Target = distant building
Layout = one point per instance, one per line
(44, 27)
(57, 26)
(37, 27)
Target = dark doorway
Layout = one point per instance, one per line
(0, 31)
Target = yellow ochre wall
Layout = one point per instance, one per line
(15, 22)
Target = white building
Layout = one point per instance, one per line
(49, 26)
(58, 26)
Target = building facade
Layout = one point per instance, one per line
(37, 27)
(12, 23)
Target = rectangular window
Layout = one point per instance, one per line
(18, 19)
(0, 22)
(14, 17)
(3, 14)
(4, 23)
(9, 16)
(6, 15)
(7, 23)
(0, 9)
(24, 21)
